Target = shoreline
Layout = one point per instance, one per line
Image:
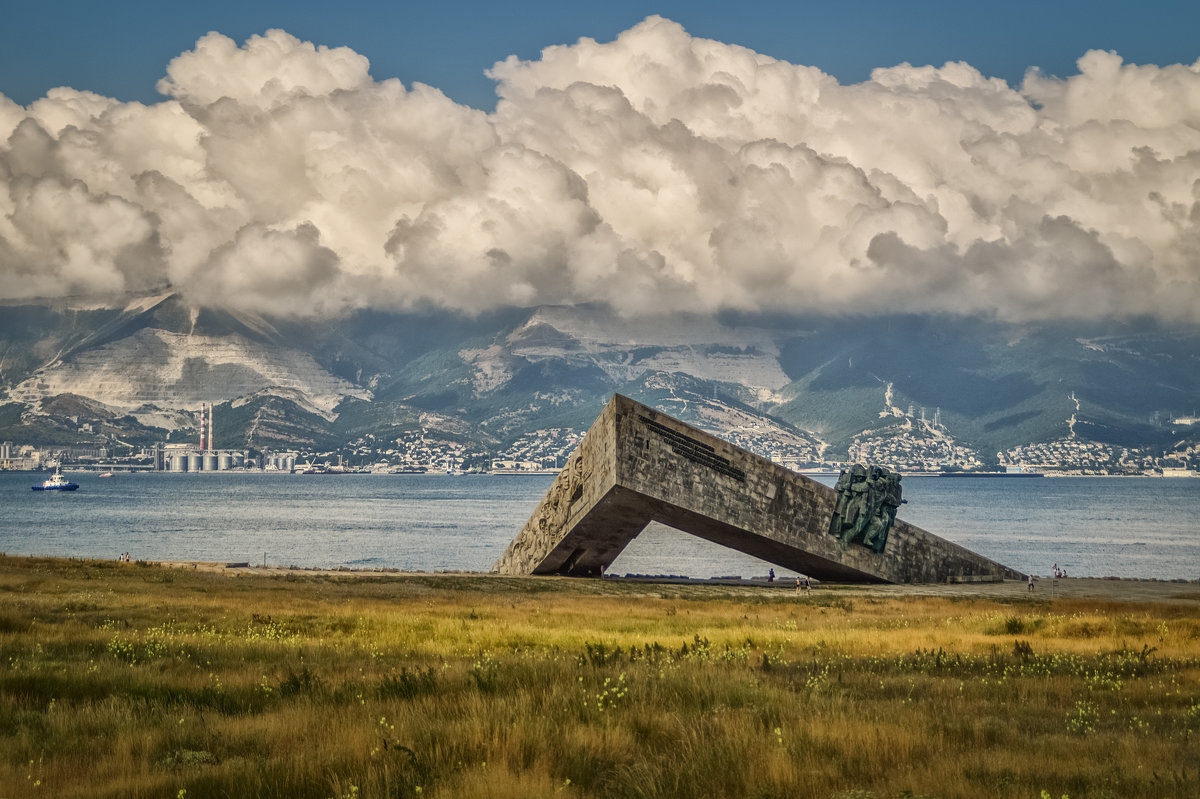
(1116, 589)
(123, 469)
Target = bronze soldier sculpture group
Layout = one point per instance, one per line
(866, 506)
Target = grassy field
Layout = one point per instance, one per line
(130, 680)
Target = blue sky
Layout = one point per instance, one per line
(120, 49)
(660, 172)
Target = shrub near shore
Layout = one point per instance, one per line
(125, 680)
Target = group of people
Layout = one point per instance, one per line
(802, 581)
(123, 557)
(1057, 573)
(866, 506)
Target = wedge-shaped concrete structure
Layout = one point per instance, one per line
(637, 465)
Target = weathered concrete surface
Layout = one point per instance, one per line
(637, 465)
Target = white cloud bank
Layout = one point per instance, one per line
(654, 173)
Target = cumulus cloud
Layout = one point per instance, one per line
(654, 173)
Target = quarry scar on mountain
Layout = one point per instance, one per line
(637, 465)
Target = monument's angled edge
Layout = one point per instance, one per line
(636, 465)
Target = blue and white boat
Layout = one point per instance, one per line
(56, 482)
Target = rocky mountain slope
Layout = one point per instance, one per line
(805, 387)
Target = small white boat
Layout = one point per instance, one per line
(56, 482)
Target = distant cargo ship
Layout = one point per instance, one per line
(990, 474)
(324, 468)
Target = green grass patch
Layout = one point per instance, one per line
(135, 681)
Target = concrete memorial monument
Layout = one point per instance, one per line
(637, 465)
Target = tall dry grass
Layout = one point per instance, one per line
(132, 681)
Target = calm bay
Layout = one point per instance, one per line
(1091, 526)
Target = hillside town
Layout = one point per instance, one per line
(910, 449)
(540, 451)
(1078, 456)
(914, 449)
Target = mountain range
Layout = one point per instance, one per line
(134, 371)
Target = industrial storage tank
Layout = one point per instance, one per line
(289, 463)
(195, 462)
(179, 463)
(210, 461)
(224, 461)
(239, 460)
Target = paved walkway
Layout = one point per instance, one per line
(1116, 590)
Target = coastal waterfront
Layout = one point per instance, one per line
(1126, 527)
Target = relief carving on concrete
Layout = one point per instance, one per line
(867, 500)
(543, 531)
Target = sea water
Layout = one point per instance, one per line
(1125, 527)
